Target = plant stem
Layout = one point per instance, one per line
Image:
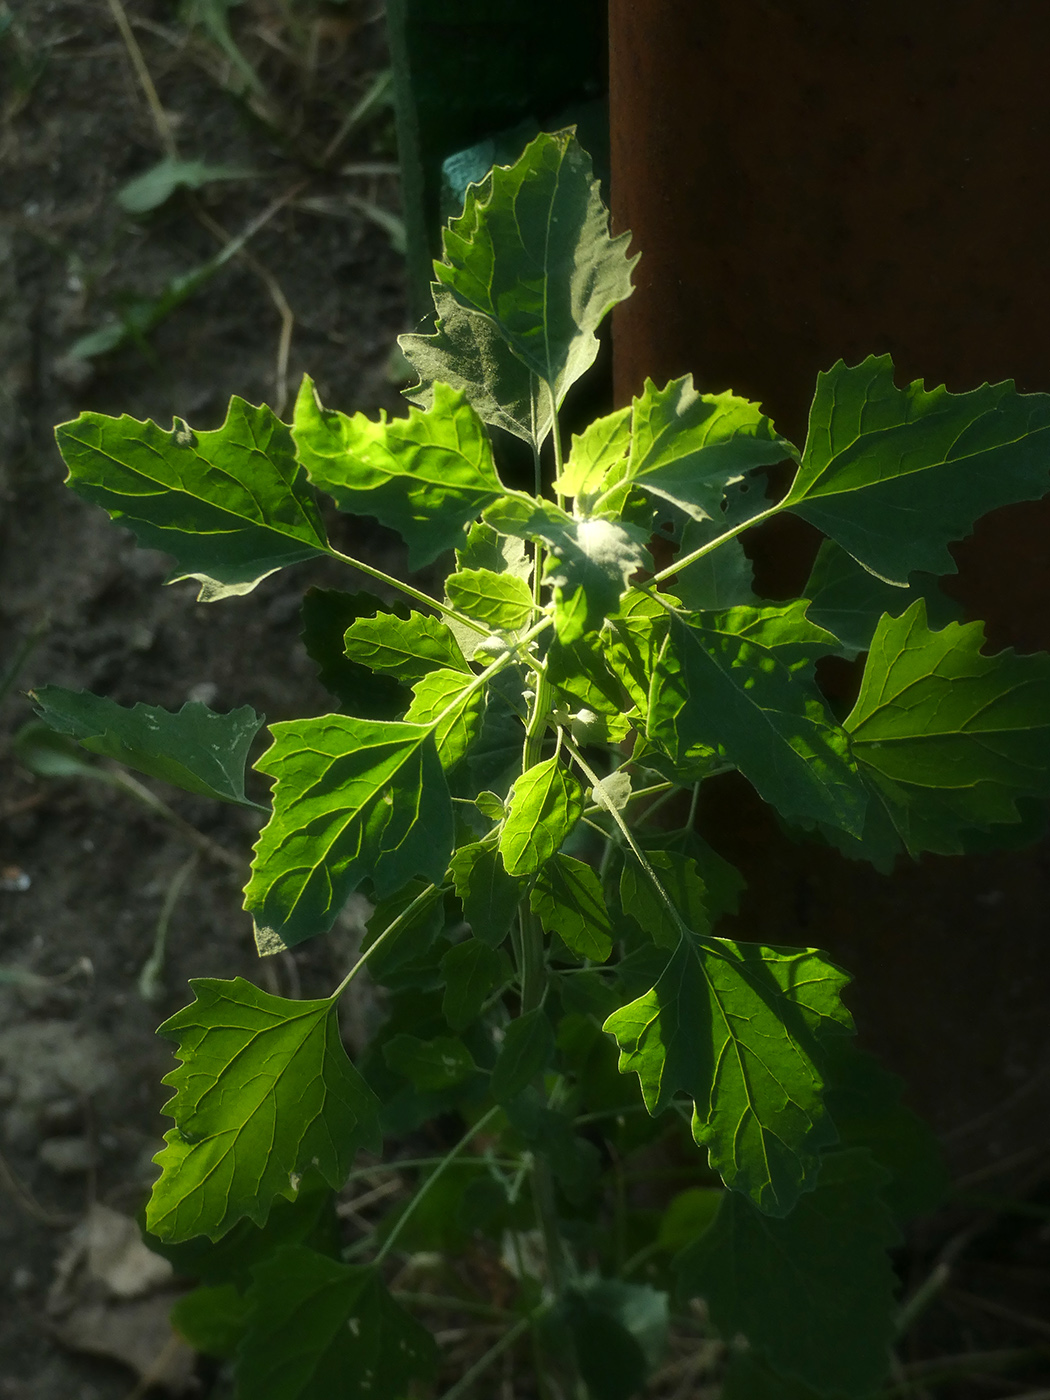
(680, 564)
(463, 1385)
(408, 591)
(438, 1171)
(421, 900)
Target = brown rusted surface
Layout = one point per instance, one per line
(809, 180)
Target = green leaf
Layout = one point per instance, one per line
(232, 506)
(327, 613)
(322, 1328)
(212, 1319)
(738, 1026)
(687, 447)
(894, 475)
(532, 253)
(412, 942)
(574, 1161)
(527, 1050)
(431, 1065)
(736, 682)
(619, 1333)
(586, 687)
(813, 1293)
(848, 600)
(545, 805)
(425, 476)
(635, 635)
(592, 558)
(682, 881)
(949, 739)
(486, 548)
(156, 185)
(471, 971)
(193, 748)
(489, 895)
(747, 1377)
(407, 647)
(594, 452)
(264, 1094)
(690, 1213)
(501, 602)
(454, 706)
(353, 798)
(567, 897)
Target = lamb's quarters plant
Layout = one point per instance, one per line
(495, 776)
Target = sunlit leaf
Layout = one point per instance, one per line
(406, 647)
(545, 805)
(446, 701)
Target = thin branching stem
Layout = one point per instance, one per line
(406, 588)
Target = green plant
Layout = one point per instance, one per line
(499, 777)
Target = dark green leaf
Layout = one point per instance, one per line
(501, 602)
(848, 600)
(326, 615)
(471, 971)
(619, 1332)
(264, 1093)
(545, 805)
(688, 447)
(490, 896)
(738, 1026)
(574, 1161)
(425, 475)
(353, 798)
(527, 1049)
(231, 506)
(454, 707)
(486, 548)
(567, 897)
(407, 647)
(949, 738)
(431, 1065)
(532, 253)
(212, 1319)
(894, 475)
(193, 748)
(413, 940)
(681, 880)
(688, 1216)
(737, 683)
(747, 1377)
(320, 1328)
(813, 1293)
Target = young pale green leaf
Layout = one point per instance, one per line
(321, 1328)
(585, 687)
(471, 972)
(326, 615)
(948, 738)
(193, 748)
(681, 880)
(687, 447)
(848, 600)
(532, 253)
(501, 602)
(455, 711)
(468, 353)
(486, 548)
(231, 506)
(425, 476)
(813, 1293)
(407, 647)
(735, 682)
(737, 1026)
(594, 452)
(354, 799)
(431, 1065)
(527, 1050)
(490, 896)
(592, 559)
(545, 805)
(568, 899)
(264, 1094)
(894, 475)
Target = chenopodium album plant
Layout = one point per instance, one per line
(490, 776)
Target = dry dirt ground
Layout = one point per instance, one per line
(87, 873)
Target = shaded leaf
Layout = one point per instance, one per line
(425, 476)
(545, 805)
(193, 748)
(212, 1319)
(894, 475)
(326, 615)
(431, 1065)
(353, 798)
(471, 971)
(527, 1050)
(486, 548)
(682, 882)
(407, 647)
(619, 1332)
(322, 1328)
(231, 506)
(738, 1026)
(264, 1094)
(813, 1293)
(568, 899)
(489, 894)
